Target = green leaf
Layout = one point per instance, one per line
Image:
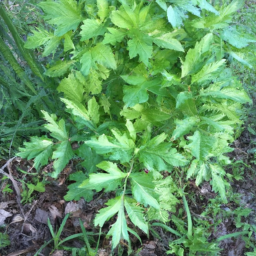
(186, 103)
(138, 92)
(109, 181)
(203, 173)
(91, 159)
(131, 129)
(155, 154)
(135, 214)
(103, 55)
(119, 229)
(241, 57)
(57, 129)
(123, 18)
(235, 94)
(218, 184)
(40, 37)
(63, 154)
(65, 14)
(203, 4)
(208, 72)
(193, 57)
(201, 145)
(173, 16)
(75, 192)
(38, 148)
(115, 36)
(59, 69)
(140, 44)
(167, 41)
(51, 46)
(72, 88)
(162, 4)
(143, 189)
(120, 148)
(91, 28)
(105, 214)
(93, 110)
(102, 9)
(80, 111)
(68, 43)
(184, 126)
(86, 61)
(237, 39)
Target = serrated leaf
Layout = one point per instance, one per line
(63, 154)
(115, 36)
(91, 159)
(68, 43)
(94, 84)
(217, 182)
(173, 16)
(193, 169)
(51, 46)
(235, 94)
(86, 61)
(237, 39)
(108, 212)
(203, 4)
(207, 72)
(93, 110)
(143, 189)
(105, 103)
(186, 103)
(75, 192)
(65, 14)
(57, 129)
(59, 69)
(193, 57)
(156, 153)
(162, 4)
(109, 181)
(123, 18)
(72, 88)
(138, 92)
(120, 148)
(38, 148)
(140, 44)
(167, 41)
(184, 126)
(119, 228)
(80, 111)
(91, 28)
(240, 57)
(102, 9)
(131, 129)
(201, 145)
(40, 37)
(203, 173)
(135, 214)
(103, 55)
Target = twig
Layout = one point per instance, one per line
(4, 166)
(14, 182)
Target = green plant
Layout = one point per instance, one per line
(148, 89)
(4, 240)
(58, 243)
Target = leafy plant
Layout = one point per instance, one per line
(58, 243)
(4, 240)
(148, 89)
